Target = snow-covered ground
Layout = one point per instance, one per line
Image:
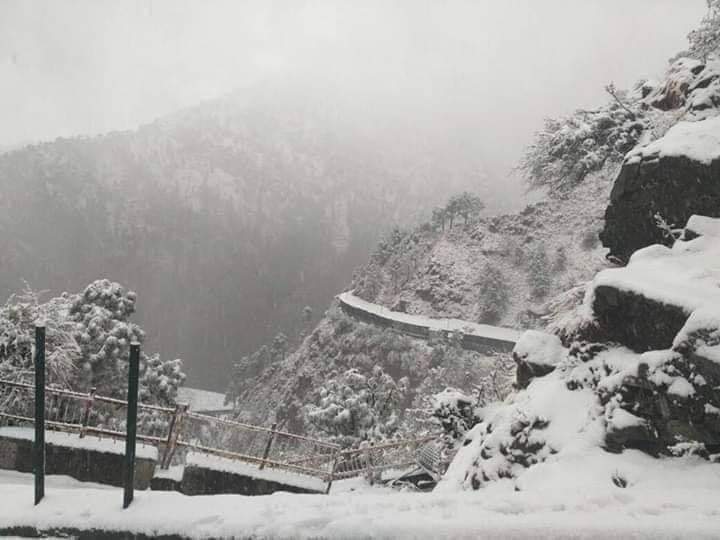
(552, 512)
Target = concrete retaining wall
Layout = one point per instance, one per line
(84, 464)
(471, 342)
(199, 480)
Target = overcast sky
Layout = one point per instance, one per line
(89, 66)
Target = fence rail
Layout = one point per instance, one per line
(176, 431)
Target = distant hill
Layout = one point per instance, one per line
(227, 218)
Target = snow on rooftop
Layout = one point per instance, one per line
(73, 440)
(202, 400)
(452, 325)
(697, 140)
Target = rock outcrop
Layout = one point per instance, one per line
(664, 183)
(536, 355)
(648, 380)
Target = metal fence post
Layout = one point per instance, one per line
(266, 453)
(369, 472)
(336, 458)
(131, 429)
(173, 435)
(39, 446)
(86, 413)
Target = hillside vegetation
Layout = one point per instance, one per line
(227, 218)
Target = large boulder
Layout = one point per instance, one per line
(665, 181)
(645, 304)
(536, 354)
(639, 322)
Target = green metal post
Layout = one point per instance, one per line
(132, 400)
(39, 442)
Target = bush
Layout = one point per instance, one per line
(566, 150)
(456, 412)
(358, 407)
(705, 40)
(494, 295)
(539, 277)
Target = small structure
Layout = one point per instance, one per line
(204, 402)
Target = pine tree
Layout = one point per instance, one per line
(539, 277)
(705, 40)
(355, 407)
(493, 295)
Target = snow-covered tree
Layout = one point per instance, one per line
(355, 407)
(456, 412)
(88, 338)
(539, 277)
(17, 321)
(705, 40)
(369, 284)
(494, 295)
(251, 365)
(567, 149)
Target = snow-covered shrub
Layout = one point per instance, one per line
(493, 295)
(566, 150)
(368, 283)
(539, 277)
(388, 244)
(355, 407)
(568, 317)
(705, 40)
(456, 412)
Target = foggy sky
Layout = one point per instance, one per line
(90, 66)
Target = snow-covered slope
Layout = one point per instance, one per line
(652, 510)
(227, 218)
(605, 414)
(501, 270)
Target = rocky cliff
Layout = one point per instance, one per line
(585, 402)
(663, 183)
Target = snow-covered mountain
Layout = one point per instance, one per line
(533, 269)
(227, 218)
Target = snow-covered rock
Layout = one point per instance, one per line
(536, 354)
(646, 303)
(597, 400)
(666, 181)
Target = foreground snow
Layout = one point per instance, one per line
(554, 511)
